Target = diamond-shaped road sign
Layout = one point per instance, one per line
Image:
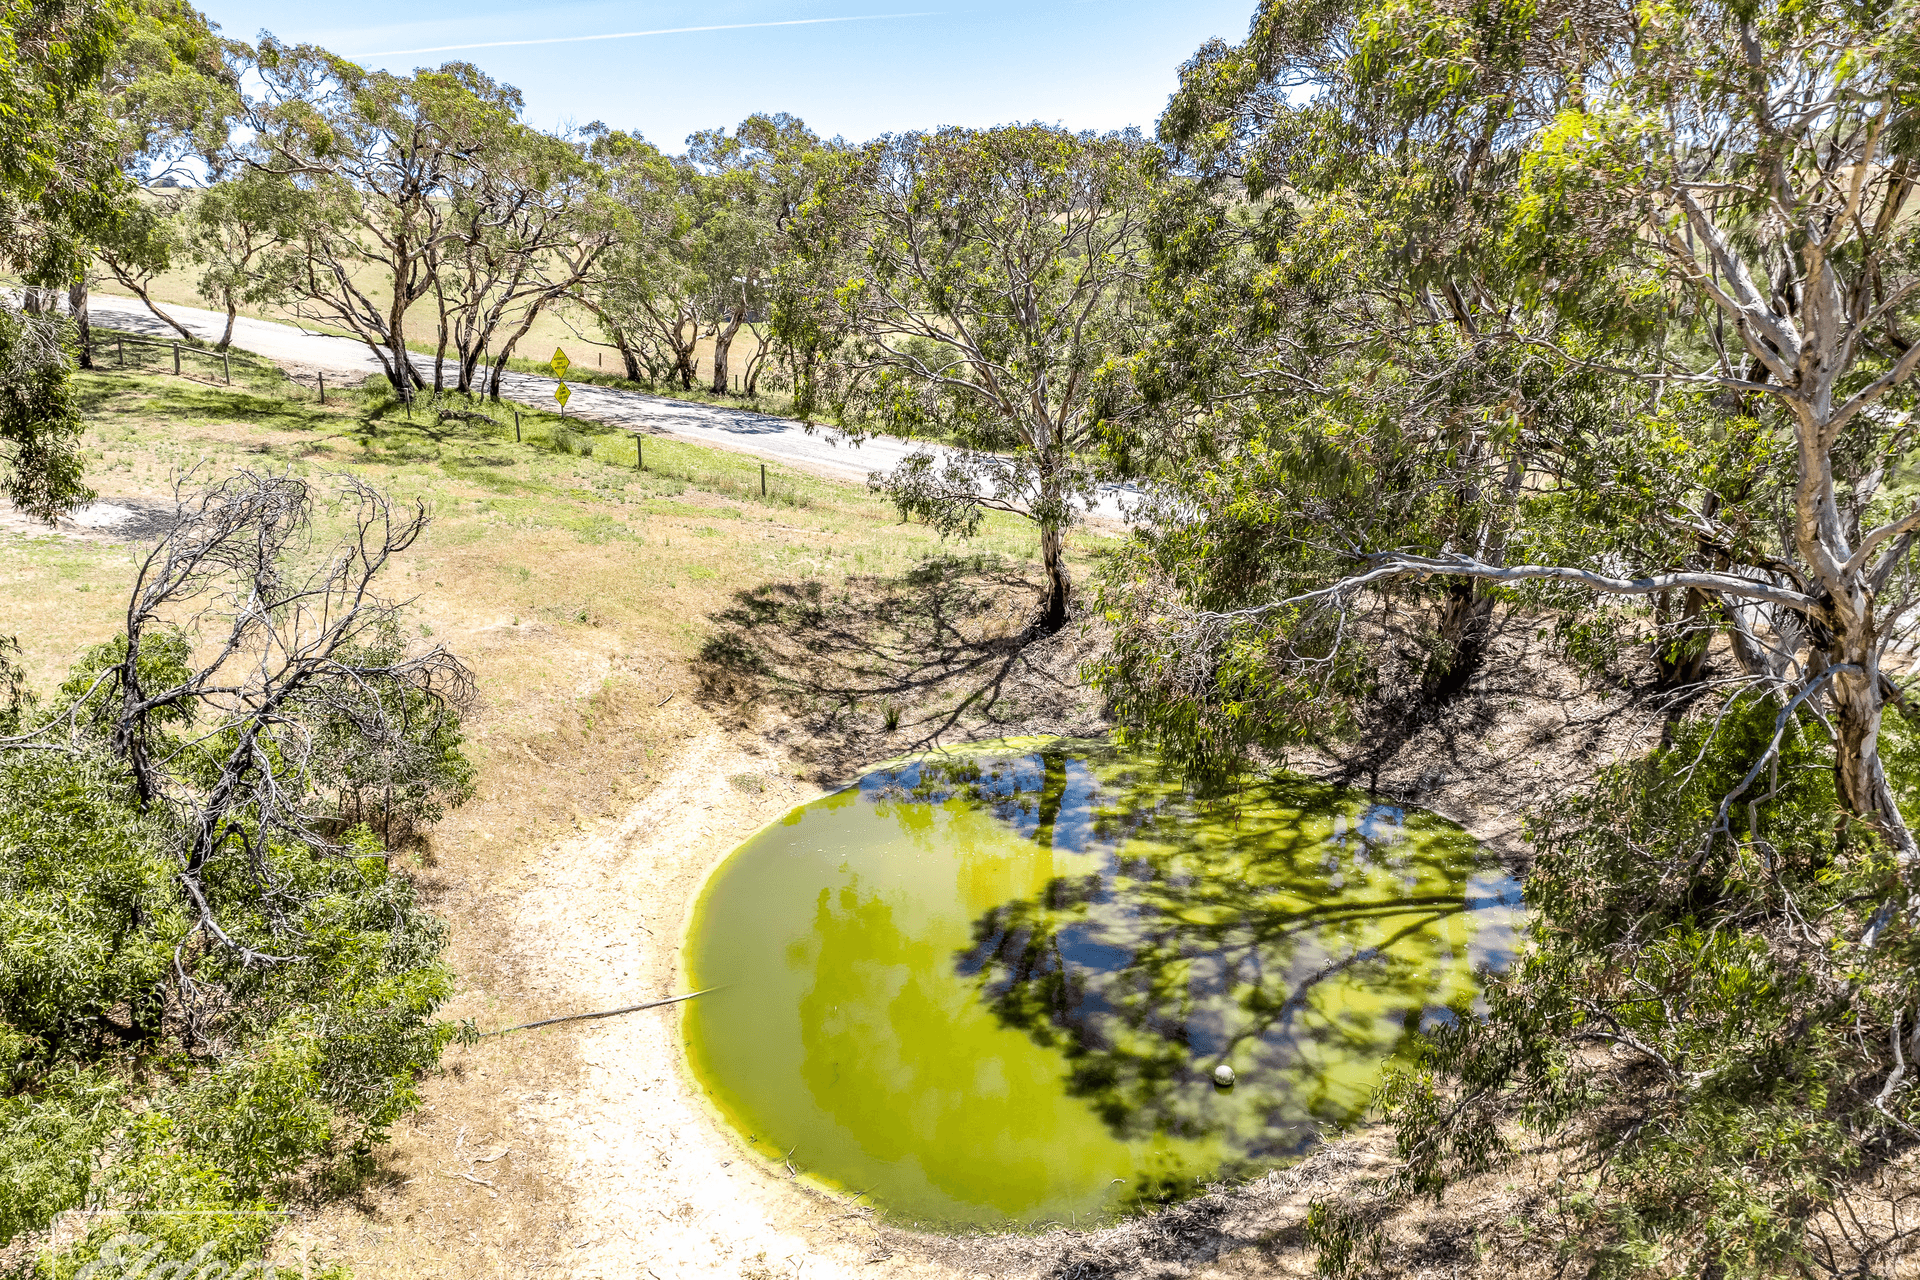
(562, 393)
(560, 363)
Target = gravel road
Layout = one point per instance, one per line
(821, 451)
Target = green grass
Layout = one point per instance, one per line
(495, 496)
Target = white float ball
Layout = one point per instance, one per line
(1223, 1074)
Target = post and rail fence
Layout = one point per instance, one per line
(135, 351)
(177, 350)
(140, 353)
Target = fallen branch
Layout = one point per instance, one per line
(606, 1013)
(479, 1182)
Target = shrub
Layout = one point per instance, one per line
(1696, 1014)
(214, 989)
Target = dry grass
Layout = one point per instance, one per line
(612, 617)
(578, 587)
(580, 590)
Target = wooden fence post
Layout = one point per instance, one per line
(226, 363)
(763, 479)
(176, 359)
(322, 378)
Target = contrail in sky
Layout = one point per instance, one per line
(628, 35)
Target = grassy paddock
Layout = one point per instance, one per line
(542, 552)
(610, 615)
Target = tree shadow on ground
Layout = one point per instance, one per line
(851, 673)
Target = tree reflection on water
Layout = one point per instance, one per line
(1295, 933)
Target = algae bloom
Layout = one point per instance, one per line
(995, 987)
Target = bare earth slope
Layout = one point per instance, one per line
(665, 670)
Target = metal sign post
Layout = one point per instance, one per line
(560, 364)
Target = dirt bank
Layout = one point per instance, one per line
(584, 1150)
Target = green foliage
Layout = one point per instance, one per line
(1682, 1018)
(50, 1134)
(215, 991)
(87, 90)
(116, 1098)
(88, 919)
(410, 770)
(40, 426)
(16, 696)
(1453, 288)
(56, 179)
(93, 690)
(1343, 1242)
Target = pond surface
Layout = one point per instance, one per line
(992, 988)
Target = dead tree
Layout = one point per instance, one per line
(239, 641)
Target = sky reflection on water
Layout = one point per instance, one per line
(992, 988)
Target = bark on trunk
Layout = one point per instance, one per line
(141, 293)
(1056, 604)
(630, 358)
(722, 346)
(1858, 703)
(82, 321)
(440, 350)
(226, 334)
(404, 372)
(617, 335)
(1464, 622)
(506, 351)
(683, 362)
(1680, 643)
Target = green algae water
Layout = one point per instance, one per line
(992, 987)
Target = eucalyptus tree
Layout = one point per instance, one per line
(994, 272)
(232, 229)
(1671, 253)
(59, 179)
(531, 218)
(377, 156)
(1738, 281)
(645, 292)
(94, 98)
(213, 977)
(172, 95)
(641, 203)
(142, 242)
(750, 188)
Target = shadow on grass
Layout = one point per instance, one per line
(872, 667)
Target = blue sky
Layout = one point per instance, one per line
(1086, 64)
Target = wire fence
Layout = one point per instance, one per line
(140, 354)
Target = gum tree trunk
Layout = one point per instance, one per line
(723, 346)
(1055, 605)
(1465, 620)
(226, 334)
(82, 322)
(397, 338)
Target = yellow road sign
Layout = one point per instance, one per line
(560, 363)
(563, 394)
